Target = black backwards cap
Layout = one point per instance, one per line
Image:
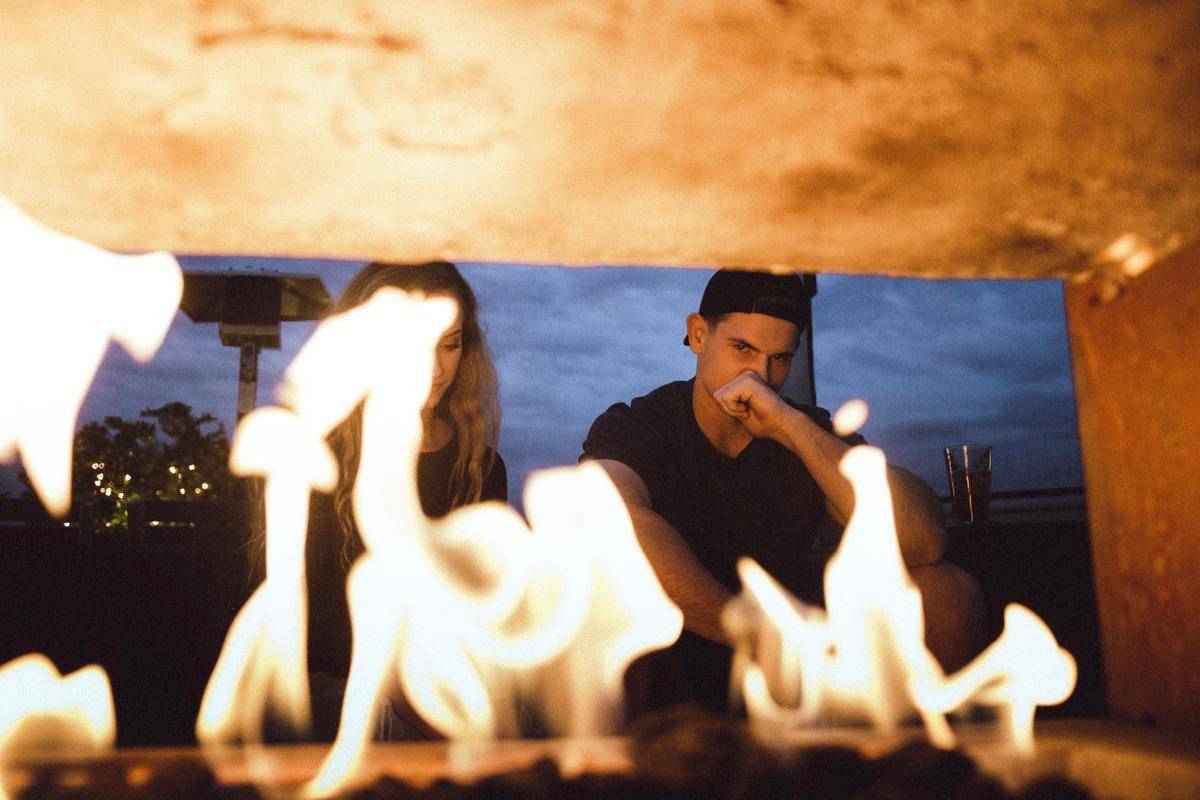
(786, 297)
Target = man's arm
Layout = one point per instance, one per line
(766, 415)
(690, 586)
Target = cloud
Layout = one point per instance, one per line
(944, 362)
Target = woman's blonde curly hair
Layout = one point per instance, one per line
(470, 404)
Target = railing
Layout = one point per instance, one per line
(1061, 500)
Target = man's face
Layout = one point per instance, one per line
(740, 342)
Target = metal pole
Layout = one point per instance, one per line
(247, 381)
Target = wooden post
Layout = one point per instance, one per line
(1137, 385)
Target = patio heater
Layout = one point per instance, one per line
(248, 308)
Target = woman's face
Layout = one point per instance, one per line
(445, 361)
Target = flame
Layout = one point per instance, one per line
(457, 614)
(1023, 669)
(264, 664)
(62, 301)
(628, 612)
(43, 712)
(792, 655)
(864, 657)
(875, 611)
(851, 416)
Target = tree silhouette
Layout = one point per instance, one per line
(166, 454)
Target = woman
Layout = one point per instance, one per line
(458, 465)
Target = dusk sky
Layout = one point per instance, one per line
(939, 362)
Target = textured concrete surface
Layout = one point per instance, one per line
(920, 138)
(1136, 383)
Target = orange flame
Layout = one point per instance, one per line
(1023, 669)
(864, 657)
(263, 665)
(456, 613)
(263, 662)
(63, 300)
(43, 712)
(627, 614)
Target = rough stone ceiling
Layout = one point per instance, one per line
(934, 138)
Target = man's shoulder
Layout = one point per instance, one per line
(666, 401)
(670, 398)
(635, 432)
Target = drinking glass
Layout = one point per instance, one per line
(969, 471)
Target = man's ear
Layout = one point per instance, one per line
(697, 330)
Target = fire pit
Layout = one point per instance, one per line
(687, 756)
(1041, 140)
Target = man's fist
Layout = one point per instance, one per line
(752, 402)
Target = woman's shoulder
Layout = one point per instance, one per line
(495, 479)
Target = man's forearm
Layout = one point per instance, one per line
(821, 453)
(918, 514)
(917, 509)
(699, 595)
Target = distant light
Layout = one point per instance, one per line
(128, 478)
(204, 486)
(183, 491)
(191, 466)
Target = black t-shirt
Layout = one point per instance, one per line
(763, 504)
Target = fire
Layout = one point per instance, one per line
(1023, 669)
(457, 615)
(627, 612)
(263, 666)
(465, 617)
(63, 300)
(45, 713)
(864, 658)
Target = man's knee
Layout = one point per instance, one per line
(955, 613)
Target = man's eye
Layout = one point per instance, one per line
(741, 347)
(452, 346)
(784, 358)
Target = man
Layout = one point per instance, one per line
(721, 466)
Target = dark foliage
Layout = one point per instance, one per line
(166, 454)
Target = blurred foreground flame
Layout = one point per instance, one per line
(61, 302)
(263, 666)
(458, 616)
(43, 713)
(864, 657)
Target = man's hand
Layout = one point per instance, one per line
(754, 404)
